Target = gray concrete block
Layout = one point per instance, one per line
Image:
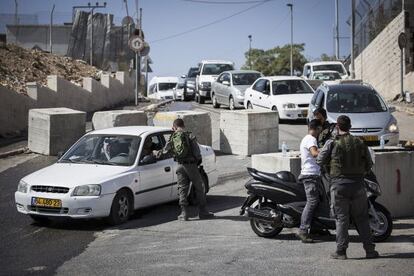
(247, 132)
(52, 130)
(275, 162)
(199, 123)
(115, 118)
(395, 174)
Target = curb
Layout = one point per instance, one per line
(13, 152)
(154, 107)
(230, 176)
(408, 110)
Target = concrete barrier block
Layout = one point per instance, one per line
(69, 94)
(44, 96)
(247, 132)
(394, 171)
(115, 118)
(199, 123)
(275, 162)
(52, 130)
(98, 96)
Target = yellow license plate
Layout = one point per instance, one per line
(46, 202)
(304, 113)
(369, 138)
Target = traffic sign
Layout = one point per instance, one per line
(136, 43)
(402, 40)
(127, 20)
(146, 49)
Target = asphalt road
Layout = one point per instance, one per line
(153, 242)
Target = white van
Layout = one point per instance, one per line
(208, 71)
(162, 88)
(312, 67)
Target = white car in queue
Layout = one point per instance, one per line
(288, 95)
(107, 173)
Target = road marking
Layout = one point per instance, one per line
(36, 268)
(34, 232)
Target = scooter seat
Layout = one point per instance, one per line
(282, 177)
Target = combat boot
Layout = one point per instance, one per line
(339, 255)
(203, 213)
(184, 213)
(372, 254)
(304, 237)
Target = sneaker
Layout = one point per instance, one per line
(372, 254)
(304, 237)
(339, 255)
(184, 214)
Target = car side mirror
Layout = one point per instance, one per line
(392, 109)
(148, 159)
(266, 92)
(227, 83)
(183, 76)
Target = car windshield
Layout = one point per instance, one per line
(330, 67)
(360, 101)
(245, 78)
(166, 86)
(283, 87)
(216, 69)
(327, 76)
(192, 73)
(117, 150)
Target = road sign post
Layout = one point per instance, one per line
(402, 43)
(137, 44)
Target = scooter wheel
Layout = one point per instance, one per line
(382, 228)
(262, 228)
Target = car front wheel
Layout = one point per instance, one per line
(231, 104)
(121, 208)
(215, 103)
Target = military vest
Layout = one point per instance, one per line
(348, 157)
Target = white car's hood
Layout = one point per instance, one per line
(72, 175)
(365, 120)
(293, 98)
(164, 93)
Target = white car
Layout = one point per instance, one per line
(162, 88)
(325, 75)
(107, 173)
(178, 92)
(289, 96)
(337, 66)
(208, 73)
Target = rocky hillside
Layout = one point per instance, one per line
(19, 65)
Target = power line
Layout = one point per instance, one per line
(211, 23)
(225, 2)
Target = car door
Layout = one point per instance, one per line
(255, 93)
(218, 88)
(225, 92)
(265, 97)
(156, 179)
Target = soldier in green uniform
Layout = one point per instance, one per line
(184, 147)
(349, 161)
(328, 129)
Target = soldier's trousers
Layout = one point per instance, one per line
(187, 173)
(350, 200)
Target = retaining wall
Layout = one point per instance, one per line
(91, 96)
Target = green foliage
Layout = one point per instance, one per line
(326, 57)
(276, 61)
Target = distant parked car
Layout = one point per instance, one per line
(337, 66)
(325, 75)
(107, 173)
(370, 116)
(289, 96)
(162, 88)
(178, 92)
(230, 86)
(190, 83)
(208, 73)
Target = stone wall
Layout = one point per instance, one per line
(92, 96)
(379, 63)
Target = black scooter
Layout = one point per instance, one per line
(276, 201)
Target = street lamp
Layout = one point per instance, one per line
(250, 51)
(291, 37)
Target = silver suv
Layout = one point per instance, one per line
(370, 116)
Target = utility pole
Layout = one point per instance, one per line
(50, 28)
(250, 51)
(352, 39)
(291, 37)
(337, 29)
(97, 6)
(16, 18)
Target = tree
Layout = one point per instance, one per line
(276, 61)
(326, 57)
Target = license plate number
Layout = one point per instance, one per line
(369, 138)
(46, 202)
